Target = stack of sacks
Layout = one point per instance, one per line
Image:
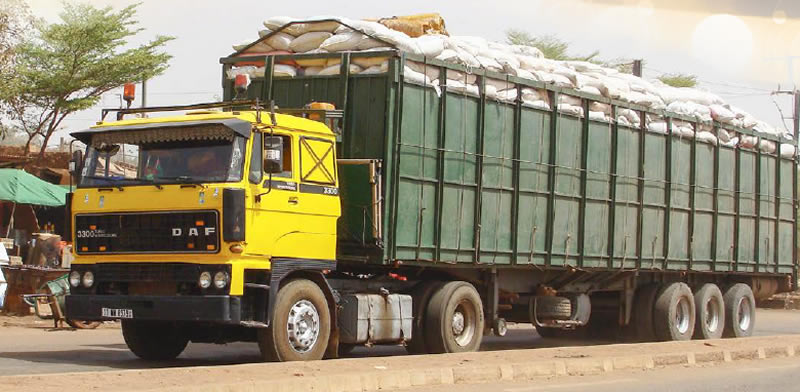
(345, 35)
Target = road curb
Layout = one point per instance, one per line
(385, 374)
(492, 373)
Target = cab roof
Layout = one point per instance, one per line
(241, 122)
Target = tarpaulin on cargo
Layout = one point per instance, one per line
(19, 187)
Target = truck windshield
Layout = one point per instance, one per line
(164, 162)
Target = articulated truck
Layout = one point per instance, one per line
(313, 214)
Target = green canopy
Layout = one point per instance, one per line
(20, 187)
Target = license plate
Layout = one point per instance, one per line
(117, 313)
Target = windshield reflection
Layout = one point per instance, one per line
(198, 161)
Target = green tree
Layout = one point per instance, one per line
(679, 80)
(66, 66)
(551, 46)
(16, 22)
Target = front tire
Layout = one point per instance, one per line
(300, 325)
(740, 311)
(710, 312)
(454, 319)
(674, 313)
(153, 340)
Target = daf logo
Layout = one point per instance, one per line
(193, 232)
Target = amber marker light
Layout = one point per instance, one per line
(236, 248)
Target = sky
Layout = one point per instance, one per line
(739, 49)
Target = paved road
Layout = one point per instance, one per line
(751, 376)
(39, 350)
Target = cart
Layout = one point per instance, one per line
(51, 295)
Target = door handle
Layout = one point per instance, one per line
(293, 200)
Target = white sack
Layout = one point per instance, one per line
(377, 69)
(366, 62)
(336, 69)
(787, 151)
(431, 45)
(431, 71)
(342, 42)
(283, 70)
(722, 114)
(279, 41)
(308, 41)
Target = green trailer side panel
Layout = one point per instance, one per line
(534, 162)
(451, 162)
(568, 191)
(416, 223)
(459, 195)
(497, 185)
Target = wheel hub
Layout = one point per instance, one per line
(743, 314)
(302, 326)
(712, 315)
(682, 316)
(458, 323)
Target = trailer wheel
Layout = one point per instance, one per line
(710, 309)
(420, 296)
(740, 311)
(301, 324)
(674, 313)
(152, 340)
(553, 308)
(642, 316)
(454, 319)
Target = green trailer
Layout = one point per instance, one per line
(544, 217)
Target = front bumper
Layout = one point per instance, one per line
(210, 308)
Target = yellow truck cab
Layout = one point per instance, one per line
(196, 218)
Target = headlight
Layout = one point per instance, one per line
(74, 278)
(205, 280)
(88, 279)
(221, 279)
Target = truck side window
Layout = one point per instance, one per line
(317, 161)
(256, 160)
(286, 158)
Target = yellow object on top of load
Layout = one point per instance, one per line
(416, 25)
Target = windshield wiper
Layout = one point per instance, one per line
(110, 179)
(185, 180)
(151, 181)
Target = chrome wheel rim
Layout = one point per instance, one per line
(682, 316)
(302, 327)
(712, 314)
(463, 323)
(743, 314)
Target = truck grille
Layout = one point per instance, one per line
(171, 232)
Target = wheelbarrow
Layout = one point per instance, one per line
(52, 294)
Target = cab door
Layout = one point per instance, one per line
(275, 197)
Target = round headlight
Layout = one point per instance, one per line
(220, 279)
(88, 279)
(205, 280)
(74, 278)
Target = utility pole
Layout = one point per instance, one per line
(144, 93)
(637, 68)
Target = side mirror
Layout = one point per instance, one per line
(75, 165)
(273, 154)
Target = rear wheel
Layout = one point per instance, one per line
(421, 295)
(300, 326)
(740, 311)
(710, 309)
(454, 319)
(153, 340)
(674, 312)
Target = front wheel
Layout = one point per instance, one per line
(454, 319)
(153, 340)
(301, 324)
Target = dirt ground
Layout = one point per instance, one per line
(36, 322)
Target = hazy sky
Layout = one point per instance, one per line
(739, 49)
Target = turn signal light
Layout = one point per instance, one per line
(102, 248)
(190, 245)
(211, 247)
(199, 223)
(236, 248)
